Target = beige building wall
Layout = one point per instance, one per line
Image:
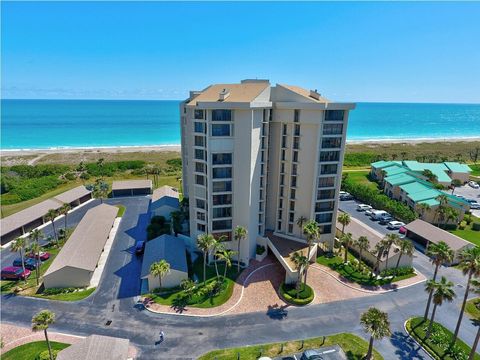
(463, 177)
(67, 277)
(172, 279)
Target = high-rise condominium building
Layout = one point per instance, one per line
(262, 157)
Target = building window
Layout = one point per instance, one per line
(222, 159)
(201, 227)
(220, 129)
(284, 131)
(222, 115)
(282, 168)
(295, 156)
(199, 127)
(329, 155)
(328, 169)
(199, 154)
(326, 182)
(297, 130)
(200, 167)
(199, 141)
(296, 143)
(325, 229)
(281, 191)
(198, 114)
(280, 214)
(291, 217)
(260, 206)
(334, 115)
(221, 186)
(323, 218)
(284, 141)
(225, 199)
(294, 169)
(223, 212)
(292, 205)
(292, 193)
(223, 236)
(324, 206)
(280, 204)
(200, 204)
(293, 181)
(279, 226)
(282, 179)
(200, 216)
(332, 129)
(270, 114)
(330, 143)
(325, 194)
(222, 173)
(283, 155)
(222, 225)
(199, 180)
(290, 228)
(296, 115)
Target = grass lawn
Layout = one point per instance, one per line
(468, 234)
(438, 341)
(361, 177)
(72, 296)
(350, 272)
(31, 350)
(472, 310)
(475, 169)
(355, 348)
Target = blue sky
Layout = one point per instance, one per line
(421, 52)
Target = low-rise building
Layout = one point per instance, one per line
(75, 196)
(131, 188)
(164, 201)
(96, 347)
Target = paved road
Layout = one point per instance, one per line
(187, 337)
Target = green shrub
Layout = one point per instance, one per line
(45, 355)
(468, 218)
(289, 294)
(401, 271)
(110, 168)
(260, 249)
(38, 171)
(70, 176)
(359, 159)
(462, 225)
(476, 226)
(56, 291)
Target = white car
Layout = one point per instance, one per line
(395, 225)
(363, 207)
(473, 184)
(369, 212)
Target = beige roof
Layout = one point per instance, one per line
(84, 247)
(435, 234)
(303, 92)
(244, 92)
(73, 194)
(287, 247)
(131, 184)
(96, 347)
(32, 213)
(164, 191)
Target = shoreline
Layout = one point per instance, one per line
(177, 147)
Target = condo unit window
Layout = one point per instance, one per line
(200, 204)
(323, 218)
(325, 194)
(292, 205)
(297, 130)
(329, 155)
(200, 167)
(262, 169)
(282, 179)
(199, 154)
(259, 218)
(291, 217)
(199, 114)
(263, 143)
(282, 168)
(332, 129)
(270, 114)
(324, 206)
(280, 214)
(260, 206)
(222, 159)
(283, 155)
(334, 115)
(328, 169)
(294, 169)
(325, 229)
(296, 115)
(284, 141)
(220, 129)
(201, 227)
(281, 191)
(295, 156)
(223, 236)
(264, 115)
(199, 127)
(280, 204)
(199, 141)
(223, 212)
(279, 226)
(292, 193)
(222, 225)
(326, 182)
(199, 180)
(261, 181)
(200, 216)
(261, 194)
(284, 131)
(221, 186)
(222, 199)
(222, 173)
(296, 143)
(330, 143)
(293, 181)
(260, 230)
(222, 115)
(264, 129)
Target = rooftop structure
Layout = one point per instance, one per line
(96, 347)
(131, 187)
(74, 195)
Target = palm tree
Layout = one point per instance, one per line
(470, 265)
(226, 255)
(64, 210)
(101, 165)
(310, 229)
(439, 254)
(100, 189)
(346, 240)
(423, 208)
(379, 252)
(41, 321)
(389, 240)
(51, 215)
(301, 221)
(35, 248)
(188, 287)
(18, 245)
(476, 322)
(452, 215)
(300, 262)
(442, 291)
(362, 244)
(404, 247)
(375, 322)
(216, 247)
(205, 243)
(160, 269)
(240, 233)
(344, 219)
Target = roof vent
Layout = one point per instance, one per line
(225, 93)
(315, 94)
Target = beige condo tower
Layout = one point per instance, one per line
(261, 157)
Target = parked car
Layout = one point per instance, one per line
(30, 263)
(473, 184)
(402, 230)
(384, 220)
(346, 196)
(378, 215)
(43, 255)
(139, 247)
(471, 201)
(14, 273)
(475, 206)
(369, 212)
(395, 225)
(363, 207)
(311, 355)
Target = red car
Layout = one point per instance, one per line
(15, 273)
(43, 255)
(402, 230)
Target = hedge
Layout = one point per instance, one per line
(288, 293)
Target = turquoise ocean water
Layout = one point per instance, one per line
(41, 124)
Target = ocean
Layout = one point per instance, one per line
(50, 124)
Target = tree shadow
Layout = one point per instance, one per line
(277, 312)
(406, 347)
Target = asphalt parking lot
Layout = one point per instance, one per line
(469, 193)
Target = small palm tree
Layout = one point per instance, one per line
(51, 215)
(301, 221)
(346, 240)
(18, 245)
(405, 247)
(363, 244)
(470, 265)
(375, 322)
(344, 219)
(226, 255)
(423, 208)
(389, 240)
(439, 254)
(160, 269)
(300, 262)
(188, 287)
(310, 229)
(379, 252)
(64, 210)
(216, 248)
(205, 243)
(442, 291)
(240, 234)
(41, 321)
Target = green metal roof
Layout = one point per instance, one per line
(430, 202)
(439, 170)
(399, 179)
(457, 167)
(395, 170)
(424, 195)
(382, 164)
(413, 187)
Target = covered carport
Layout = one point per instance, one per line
(75, 196)
(131, 188)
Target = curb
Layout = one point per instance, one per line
(415, 340)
